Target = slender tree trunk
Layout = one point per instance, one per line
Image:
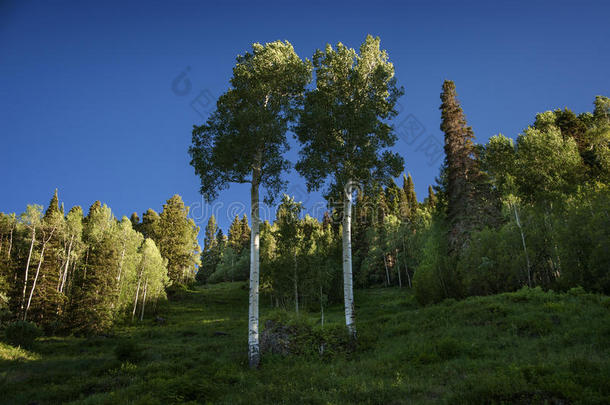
(527, 258)
(348, 287)
(144, 300)
(296, 285)
(253, 338)
(65, 273)
(44, 245)
(27, 267)
(118, 279)
(10, 242)
(404, 246)
(387, 273)
(398, 269)
(135, 302)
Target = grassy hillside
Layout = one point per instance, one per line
(523, 347)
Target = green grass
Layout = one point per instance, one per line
(524, 347)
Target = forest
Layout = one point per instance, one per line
(525, 214)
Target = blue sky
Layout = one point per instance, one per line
(88, 104)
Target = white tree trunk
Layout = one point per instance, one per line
(135, 302)
(27, 268)
(398, 269)
(144, 300)
(253, 338)
(527, 258)
(65, 275)
(10, 241)
(348, 287)
(27, 308)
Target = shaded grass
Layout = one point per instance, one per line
(524, 347)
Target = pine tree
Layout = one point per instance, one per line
(460, 166)
(234, 239)
(177, 241)
(150, 224)
(431, 199)
(94, 302)
(135, 220)
(409, 188)
(210, 256)
(245, 232)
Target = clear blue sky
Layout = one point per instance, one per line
(87, 103)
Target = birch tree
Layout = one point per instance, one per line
(244, 139)
(31, 219)
(344, 131)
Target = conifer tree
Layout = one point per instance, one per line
(93, 306)
(460, 166)
(409, 188)
(177, 240)
(431, 199)
(210, 256)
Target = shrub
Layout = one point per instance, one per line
(177, 292)
(128, 350)
(22, 333)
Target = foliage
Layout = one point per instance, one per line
(22, 333)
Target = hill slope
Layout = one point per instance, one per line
(523, 347)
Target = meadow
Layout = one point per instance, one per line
(528, 346)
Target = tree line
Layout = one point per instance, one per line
(80, 273)
(501, 216)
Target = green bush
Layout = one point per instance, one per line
(22, 333)
(436, 279)
(177, 292)
(128, 350)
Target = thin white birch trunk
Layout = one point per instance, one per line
(253, 337)
(144, 300)
(527, 258)
(348, 287)
(44, 245)
(27, 268)
(135, 302)
(65, 273)
(398, 269)
(10, 241)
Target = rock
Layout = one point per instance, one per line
(277, 338)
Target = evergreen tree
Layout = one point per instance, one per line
(409, 188)
(93, 305)
(211, 250)
(150, 224)
(431, 199)
(235, 235)
(460, 165)
(177, 241)
(135, 220)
